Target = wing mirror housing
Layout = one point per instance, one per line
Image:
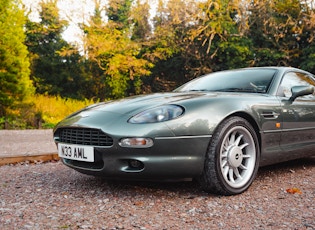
(298, 91)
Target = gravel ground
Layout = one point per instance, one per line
(52, 196)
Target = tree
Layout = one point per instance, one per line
(15, 84)
(282, 32)
(118, 12)
(218, 38)
(56, 66)
(118, 58)
(168, 44)
(141, 29)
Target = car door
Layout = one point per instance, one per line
(298, 124)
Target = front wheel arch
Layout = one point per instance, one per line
(253, 123)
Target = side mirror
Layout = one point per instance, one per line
(302, 90)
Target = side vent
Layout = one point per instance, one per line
(270, 115)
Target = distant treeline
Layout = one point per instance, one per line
(127, 52)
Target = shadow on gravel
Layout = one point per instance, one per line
(288, 166)
(186, 189)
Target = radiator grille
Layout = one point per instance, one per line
(83, 136)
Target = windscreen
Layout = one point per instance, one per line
(244, 80)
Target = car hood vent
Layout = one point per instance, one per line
(83, 136)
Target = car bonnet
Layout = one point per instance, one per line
(136, 104)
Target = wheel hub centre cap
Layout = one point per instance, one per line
(235, 156)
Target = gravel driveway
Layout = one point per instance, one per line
(52, 196)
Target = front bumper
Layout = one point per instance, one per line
(168, 158)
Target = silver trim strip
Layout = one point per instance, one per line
(298, 129)
(271, 131)
(288, 130)
(183, 137)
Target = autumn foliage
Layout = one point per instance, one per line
(127, 47)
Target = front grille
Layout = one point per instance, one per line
(83, 136)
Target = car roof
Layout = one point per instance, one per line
(279, 68)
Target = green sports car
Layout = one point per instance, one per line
(218, 129)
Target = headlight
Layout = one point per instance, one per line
(158, 114)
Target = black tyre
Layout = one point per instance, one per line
(232, 160)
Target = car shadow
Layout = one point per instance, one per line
(288, 166)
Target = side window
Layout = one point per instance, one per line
(294, 79)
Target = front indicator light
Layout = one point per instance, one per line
(136, 142)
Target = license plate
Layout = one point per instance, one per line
(76, 152)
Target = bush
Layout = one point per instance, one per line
(43, 112)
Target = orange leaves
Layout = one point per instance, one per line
(294, 191)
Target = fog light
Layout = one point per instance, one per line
(135, 164)
(136, 142)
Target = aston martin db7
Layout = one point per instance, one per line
(218, 128)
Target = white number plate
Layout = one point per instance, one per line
(76, 152)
